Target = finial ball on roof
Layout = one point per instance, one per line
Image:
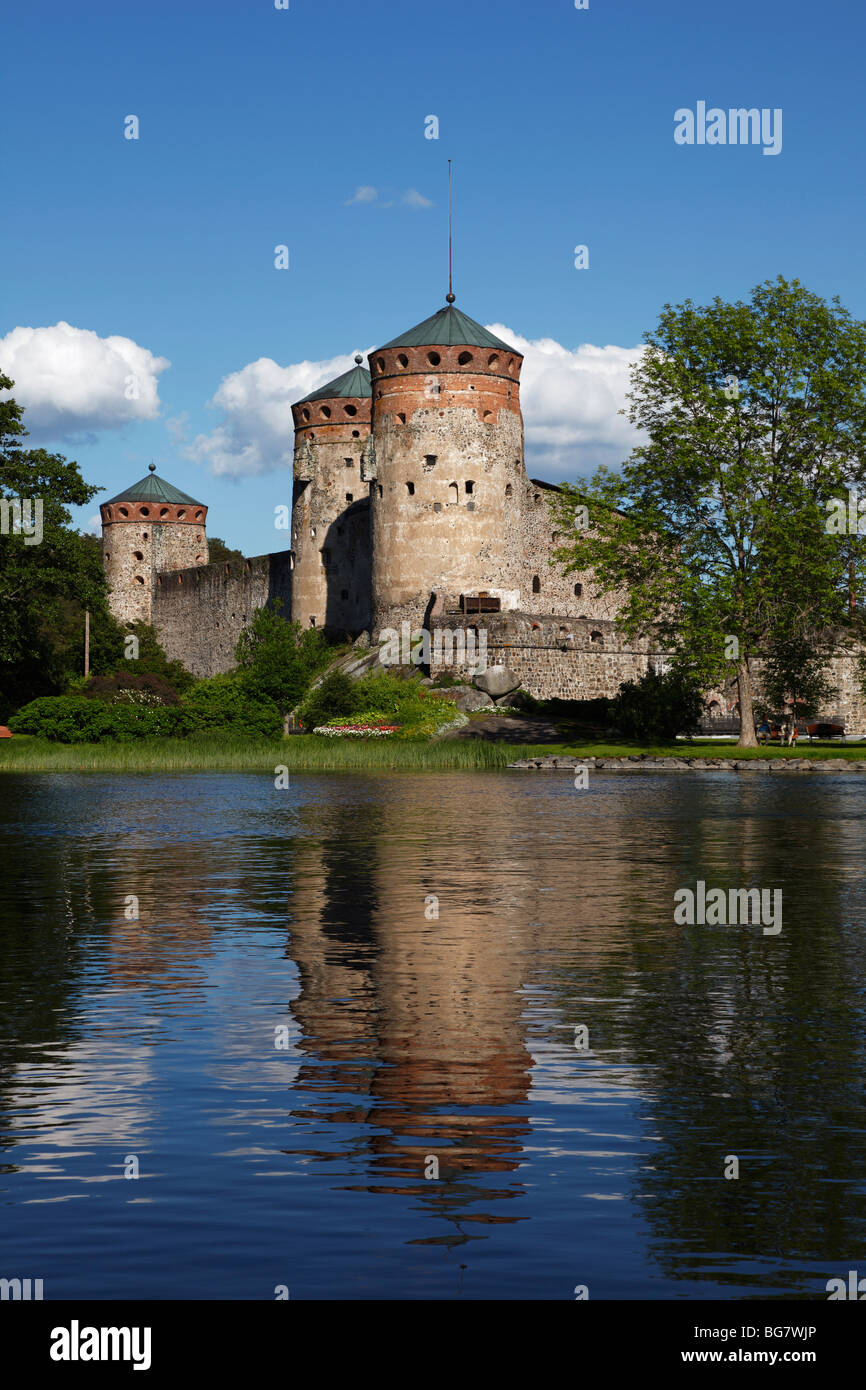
(151, 468)
(358, 358)
(450, 298)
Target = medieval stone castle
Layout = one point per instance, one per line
(411, 503)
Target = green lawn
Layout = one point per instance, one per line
(308, 753)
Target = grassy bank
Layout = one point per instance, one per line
(307, 753)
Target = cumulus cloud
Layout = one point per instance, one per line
(571, 400)
(255, 435)
(414, 199)
(73, 382)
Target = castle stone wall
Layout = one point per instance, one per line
(200, 612)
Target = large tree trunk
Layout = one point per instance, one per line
(748, 737)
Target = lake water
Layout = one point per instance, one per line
(288, 1039)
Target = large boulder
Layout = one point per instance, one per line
(497, 681)
(465, 697)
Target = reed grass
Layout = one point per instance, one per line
(309, 753)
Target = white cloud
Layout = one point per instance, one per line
(94, 525)
(391, 198)
(177, 426)
(256, 433)
(72, 381)
(571, 400)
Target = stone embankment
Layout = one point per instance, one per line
(645, 762)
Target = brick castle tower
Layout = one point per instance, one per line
(147, 528)
(448, 438)
(330, 506)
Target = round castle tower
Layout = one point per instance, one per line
(148, 528)
(448, 438)
(330, 507)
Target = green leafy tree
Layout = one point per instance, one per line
(795, 672)
(277, 660)
(713, 536)
(45, 586)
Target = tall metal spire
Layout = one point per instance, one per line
(450, 296)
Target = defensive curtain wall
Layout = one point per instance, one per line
(199, 613)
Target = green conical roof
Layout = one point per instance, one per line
(153, 489)
(354, 382)
(449, 328)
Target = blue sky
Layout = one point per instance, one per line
(258, 125)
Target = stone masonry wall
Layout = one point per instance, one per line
(199, 613)
(555, 657)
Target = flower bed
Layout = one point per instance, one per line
(356, 730)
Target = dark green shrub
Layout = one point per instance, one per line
(223, 705)
(76, 719)
(658, 706)
(332, 697)
(123, 689)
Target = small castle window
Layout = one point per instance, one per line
(181, 513)
(379, 486)
(429, 461)
(198, 516)
(145, 511)
(198, 559)
(163, 511)
(312, 532)
(493, 359)
(107, 556)
(312, 621)
(536, 497)
(469, 485)
(349, 497)
(510, 363)
(326, 411)
(138, 579)
(380, 363)
(434, 359)
(351, 409)
(123, 511)
(487, 414)
(596, 637)
(536, 584)
(138, 554)
(179, 580)
(403, 359)
(578, 591)
(410, 488)
(401, 417)
(356, 434)
(349, 463)
(306, 413)
(464, 358)
(508, 490)
(453, 493)
(144, 535)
